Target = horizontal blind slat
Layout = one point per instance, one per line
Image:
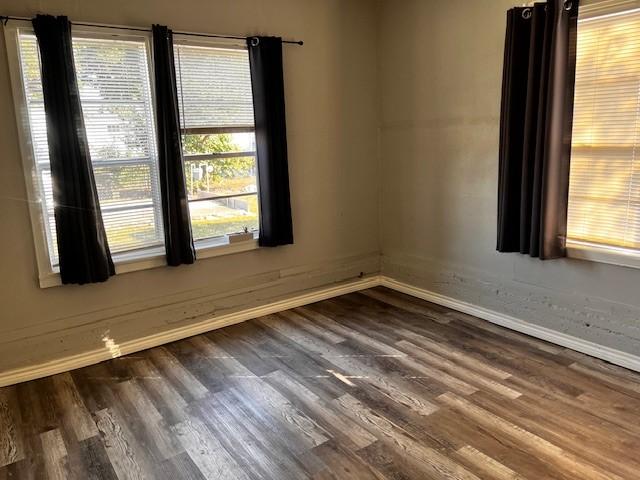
(214, 87)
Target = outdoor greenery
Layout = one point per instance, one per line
(201, 228)
(227, 175)
(221, 175)
(206, 228)
(215, 227)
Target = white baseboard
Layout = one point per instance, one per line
(110, 351)
(611, 355)
(84, 359)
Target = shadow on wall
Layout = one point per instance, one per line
(440, 128)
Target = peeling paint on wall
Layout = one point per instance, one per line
(594, 319)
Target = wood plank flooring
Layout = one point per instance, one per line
(370, 385)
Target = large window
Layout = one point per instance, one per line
(113, 80)
(114, 71)
(604, 193)
(216, 109)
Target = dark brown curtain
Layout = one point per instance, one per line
(535, 128)
(83, 250)
(267, 82)
(178, 240)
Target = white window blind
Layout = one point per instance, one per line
(604, 192)
(216, 111)
(214, 87)
(115, 93)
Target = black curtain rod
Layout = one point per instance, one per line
(5, 18)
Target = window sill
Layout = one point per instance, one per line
(155, 257)
(603, 254)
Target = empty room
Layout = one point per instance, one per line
(320, 239)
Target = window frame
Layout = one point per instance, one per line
(32, 182)
(600, 252)
(129, 261)
(592, 252)
(236, 44)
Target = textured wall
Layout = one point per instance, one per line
(332, 125)
(440, 79)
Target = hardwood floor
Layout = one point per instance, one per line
(369, 385)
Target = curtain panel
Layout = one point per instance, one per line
(267, 82)
(175, 205)
(83, 249)
(535, 128)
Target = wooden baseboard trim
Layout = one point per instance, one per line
(611, 355)
(110, 351)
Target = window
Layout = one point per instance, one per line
(114, 72)
(604, 191)
(113, 80)
(216, 109)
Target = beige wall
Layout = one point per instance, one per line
(440, 80)
(332, 125)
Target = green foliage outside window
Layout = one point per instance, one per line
(221, 174)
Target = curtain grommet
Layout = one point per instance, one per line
(568, 5)
(255, 41)
(526, 13)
